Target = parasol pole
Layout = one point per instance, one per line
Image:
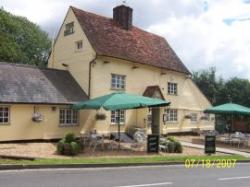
(119, 129)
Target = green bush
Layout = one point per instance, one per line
(171, 139)
(60, 146)
(70, 137)
(74, 148)
(171, 147)
(69, 145)
(178, 147)
(66, 149)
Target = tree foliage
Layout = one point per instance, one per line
(22, 41)
(219, 91)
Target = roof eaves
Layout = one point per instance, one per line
(133, 61)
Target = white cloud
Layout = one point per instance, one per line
(206, 40)
(203, 32)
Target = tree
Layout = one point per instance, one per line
(207, 82)
(219, 91)
(22, 41)
(238, 90)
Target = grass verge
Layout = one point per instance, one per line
(118, 160)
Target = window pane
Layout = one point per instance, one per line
(193, 117)
(118, 81)
(171, 115)
(69, 29)
(172, 88)
(115, 116)
(68, 117)
(4, 115)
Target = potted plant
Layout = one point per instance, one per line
(188, 116)
(100, 116)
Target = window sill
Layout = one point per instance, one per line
(78, 50)
(68, 33)
(68, 125)
(115, 124)
(4, 124)
(172, 94)
(171, 122)
(118, 89)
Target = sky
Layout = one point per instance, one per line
(203, 33)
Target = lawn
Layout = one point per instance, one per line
(118, 160)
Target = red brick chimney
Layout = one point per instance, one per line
(123, 16)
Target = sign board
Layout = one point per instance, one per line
(153, 144)
(210, 147)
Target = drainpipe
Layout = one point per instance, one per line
(90, 74)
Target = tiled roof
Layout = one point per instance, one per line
(29, 84)
(135, 45)
(152, 90)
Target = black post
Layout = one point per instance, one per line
(119, 129)
(232, 116)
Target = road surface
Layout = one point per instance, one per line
(156, 176)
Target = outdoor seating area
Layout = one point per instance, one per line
(239, 139)
(96, 141)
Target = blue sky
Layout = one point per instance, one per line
(203, 33)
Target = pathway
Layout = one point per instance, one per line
(218, 149)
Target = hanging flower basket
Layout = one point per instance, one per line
(205, 118)
(37, 117)
(188, 116)
(100, 116)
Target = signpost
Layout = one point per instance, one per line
(153, 144)
(210, 147)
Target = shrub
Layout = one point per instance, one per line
(60, 146)
(74, 148)
(171, 139)
(69, 145)
(70, 137)
(171, 147)
(66, 149)
(178, 147)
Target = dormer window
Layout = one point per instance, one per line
(69, 28)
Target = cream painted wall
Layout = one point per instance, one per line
(189, 98)
(65, 52)
(21, 126)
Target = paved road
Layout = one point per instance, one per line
(158, 176)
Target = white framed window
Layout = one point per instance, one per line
(172, 88)
(118, 82)
(115, 117)
(172, 115)
(4, 115)
(68, 117)
(69, 28)
(79, 45)
(194, 117)
(205, 117)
